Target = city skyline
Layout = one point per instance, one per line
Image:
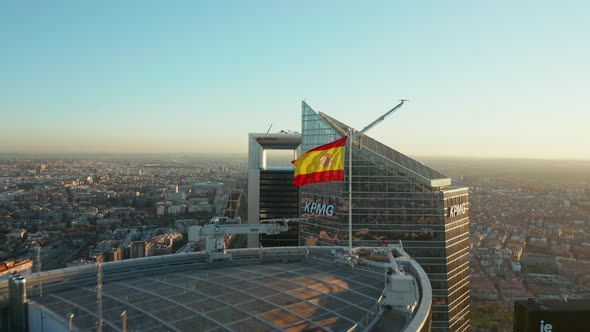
(484, 80)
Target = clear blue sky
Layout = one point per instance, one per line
(494, 79)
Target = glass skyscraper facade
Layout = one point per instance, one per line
(393, 198)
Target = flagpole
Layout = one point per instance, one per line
(351, 138)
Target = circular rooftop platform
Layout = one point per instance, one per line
(297, 296)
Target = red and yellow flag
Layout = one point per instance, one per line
(322, 164)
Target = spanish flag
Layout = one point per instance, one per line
(322, 164)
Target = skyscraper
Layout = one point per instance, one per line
(271, 193)
(394, 198)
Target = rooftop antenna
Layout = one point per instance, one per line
(39, 269)
(124, 319)
(269, 128)
(99, 260)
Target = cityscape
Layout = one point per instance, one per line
(528, 238)
(294, 166)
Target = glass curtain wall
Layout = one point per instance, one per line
(390, 203)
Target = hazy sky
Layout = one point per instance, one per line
(484, 78)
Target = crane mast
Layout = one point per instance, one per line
(215, 235)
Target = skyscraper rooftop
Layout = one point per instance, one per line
(289, 288)
(411, 167)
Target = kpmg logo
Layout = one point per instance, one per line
(457, 210)
(321, 209)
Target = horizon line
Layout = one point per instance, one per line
(245, 154)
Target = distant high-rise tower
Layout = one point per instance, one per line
(394, 198)
(40, 169)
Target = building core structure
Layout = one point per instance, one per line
(271, 193)
(393, 198)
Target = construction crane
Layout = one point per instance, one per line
(215, 235)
